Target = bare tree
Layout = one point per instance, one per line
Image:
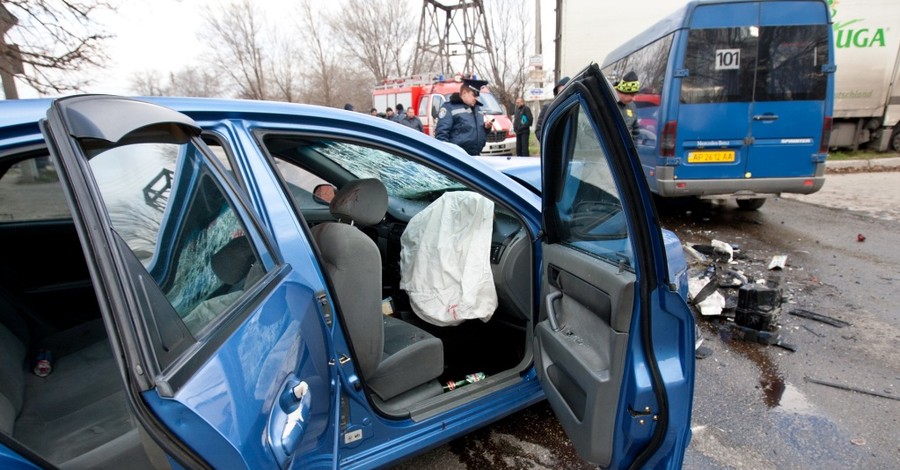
(287, 76)
(509, 22)
(148, 83)
(55, 41)
(323, 66)
(380, 34)
(190, 81)
(234, 37)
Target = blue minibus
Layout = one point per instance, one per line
(735, 98)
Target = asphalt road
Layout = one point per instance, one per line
(758, 406)
(755, 406)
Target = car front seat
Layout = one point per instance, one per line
(393, 356)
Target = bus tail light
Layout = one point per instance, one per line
(826, 134)
(667, 139)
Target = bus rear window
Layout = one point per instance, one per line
(790, 63)
(720, 64)
(743, 64)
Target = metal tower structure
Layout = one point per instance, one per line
(452, 28)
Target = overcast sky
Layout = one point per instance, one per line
(162, 34)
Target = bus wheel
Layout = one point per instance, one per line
(895, 140)
(750, 204)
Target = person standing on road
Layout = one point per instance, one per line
(626, 88)
(389, 114)
(460, 120)
(540, 122)
(411, 120)
(522, 127)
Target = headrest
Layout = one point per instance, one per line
(362, 202)
(232, 261)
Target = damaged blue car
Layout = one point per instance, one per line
(239, 284)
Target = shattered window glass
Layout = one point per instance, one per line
(401, 177)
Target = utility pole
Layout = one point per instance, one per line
(536, 74)
(446, 26)
(10, 58)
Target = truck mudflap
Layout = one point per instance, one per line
(667, 185)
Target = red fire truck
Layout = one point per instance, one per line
(426, 95)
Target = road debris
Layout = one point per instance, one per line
(786, 346)
(850, 389)
(758, 307)
(705, 296)
(835, 322)
(722, 249)
(860, 237)
(820, 335)
(778, 262)
(703, 352)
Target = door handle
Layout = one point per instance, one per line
(299, 398)
(765, 117)
(551, 310)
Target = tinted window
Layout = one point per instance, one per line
(790, 63)
(721, 64)
(649, 63)
(30, 190)
(784, 63)
(590, 208)
(171, 212)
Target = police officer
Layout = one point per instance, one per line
(460, 120)
(626, 88)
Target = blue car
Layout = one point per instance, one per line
(194, 283)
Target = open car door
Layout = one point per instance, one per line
(220, 340)
(613, 343)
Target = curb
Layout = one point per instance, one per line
(875, 164)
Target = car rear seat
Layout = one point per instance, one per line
(76, 417)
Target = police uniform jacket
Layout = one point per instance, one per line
(629, 114)
(462, 125)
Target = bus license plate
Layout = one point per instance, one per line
(711, 157)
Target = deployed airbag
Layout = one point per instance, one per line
(445, 264)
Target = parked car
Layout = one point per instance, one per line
(200, 306)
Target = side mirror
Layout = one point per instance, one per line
(324, 193)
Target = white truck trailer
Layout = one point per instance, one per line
(867, 55)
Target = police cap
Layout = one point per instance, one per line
(474, 85)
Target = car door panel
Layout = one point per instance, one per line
(577, 356)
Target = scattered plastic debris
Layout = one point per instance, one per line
(858, 441)
(786, 346)
(835, 322)
(820, 335)
(703, 352)
(850, 389)
(722, 248)
(758, 307)
(732, 278)
(699, 257)
(860, 237)
(717, 249)
(778, 262)
(705, 296)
